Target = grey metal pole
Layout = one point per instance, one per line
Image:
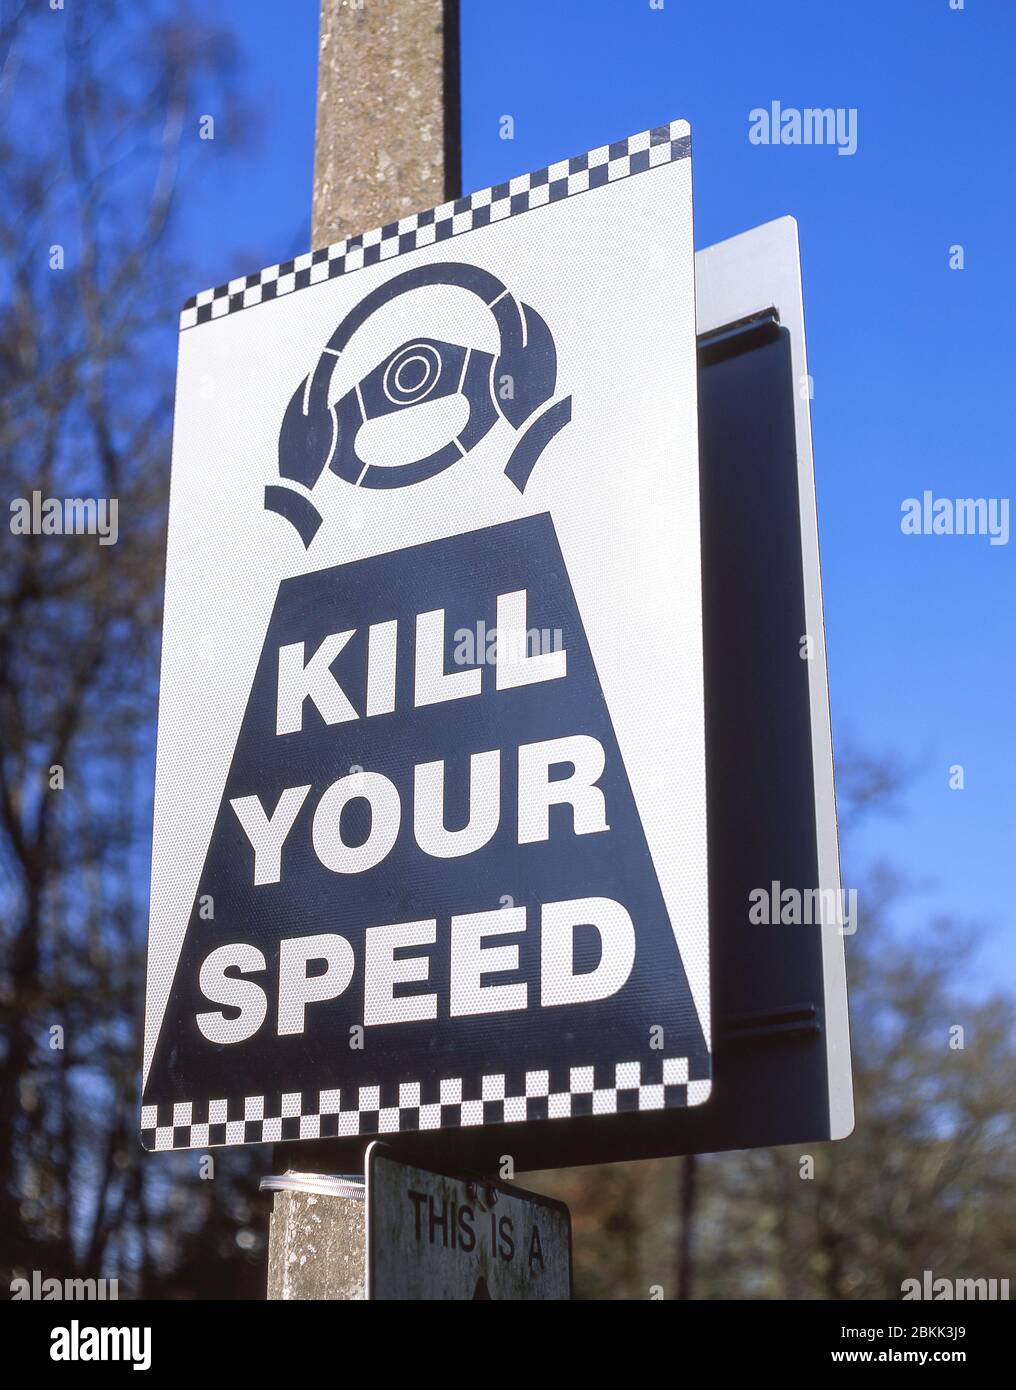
(387, 144)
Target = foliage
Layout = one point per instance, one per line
(99, 107)
(925, 1182)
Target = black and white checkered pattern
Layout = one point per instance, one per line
(448, 1104)
(567, 177)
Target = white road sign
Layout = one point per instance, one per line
(433, 1236)
(430, 822)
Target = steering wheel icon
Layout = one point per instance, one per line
(412, 373)
(316, 435)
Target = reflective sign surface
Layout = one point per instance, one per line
(430, 840)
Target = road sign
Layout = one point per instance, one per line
(781, 1056)
(781, 1047)
(430, 826)
(433, 1236)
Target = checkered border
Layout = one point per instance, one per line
(410, 1105)
(647, 150)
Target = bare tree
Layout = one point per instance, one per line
(926, 1181)
(100, 114)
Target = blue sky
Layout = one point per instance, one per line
(913, 373)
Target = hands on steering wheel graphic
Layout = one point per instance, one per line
(316, 435)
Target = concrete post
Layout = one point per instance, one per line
(387, 144)
(317, 1243)
(388, 113)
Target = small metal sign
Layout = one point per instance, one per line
(433, 1236)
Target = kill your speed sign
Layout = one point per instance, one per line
(430, 821)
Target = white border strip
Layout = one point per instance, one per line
(633, 155)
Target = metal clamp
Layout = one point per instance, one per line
(321, 1184)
